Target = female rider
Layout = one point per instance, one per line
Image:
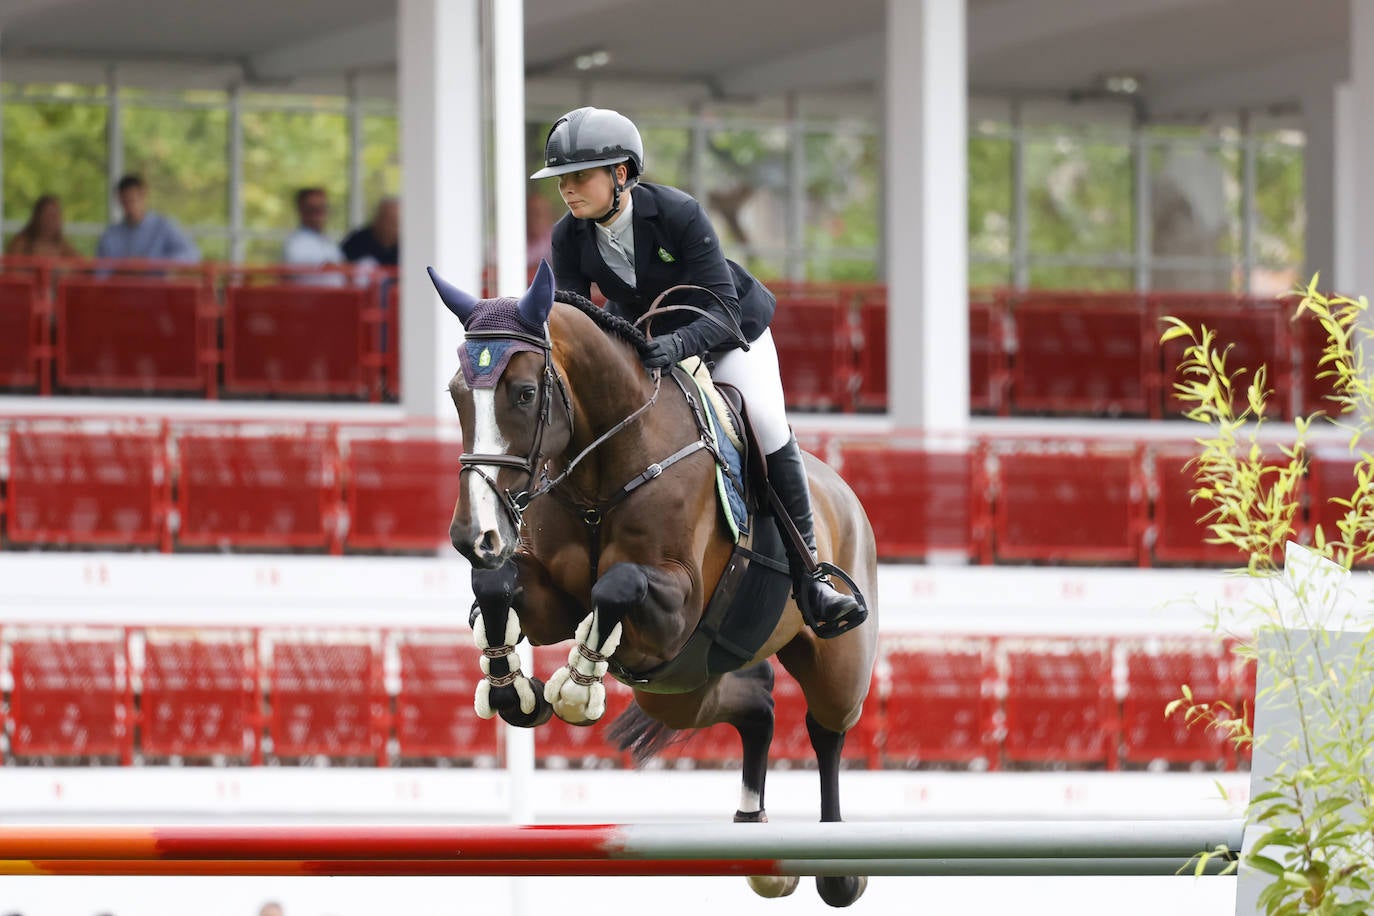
(634, 240)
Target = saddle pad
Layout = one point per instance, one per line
(696, 368)
(728, 486)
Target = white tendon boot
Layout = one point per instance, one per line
(481, 702)
(575, 690)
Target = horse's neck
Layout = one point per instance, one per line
(606, 384)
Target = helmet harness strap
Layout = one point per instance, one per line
(615, 201)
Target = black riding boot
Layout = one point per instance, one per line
(828, 612)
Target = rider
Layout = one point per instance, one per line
(634, 240)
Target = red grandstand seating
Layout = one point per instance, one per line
(434, 714)
(872, 390)
(257, 491)
(1081, 505)
(22, 356)
(1329, 476)
(1156, 673)
(1179, 532)
(86, 488)
(558, 743)
(401, 492)
(814, 338)
(200, 695)
(939, 703)
(71, 698)
(1059, 706)
(1257, 328)
(1311, 342)
(1244, 686)
(1079, 354)
(134, 334)
(297, 339)
(918, 500)
(327, 699)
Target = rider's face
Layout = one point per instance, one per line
(588, 192)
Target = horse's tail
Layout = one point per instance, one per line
(643, 737)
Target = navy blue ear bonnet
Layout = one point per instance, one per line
(485, 359)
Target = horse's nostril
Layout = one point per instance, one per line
(489, 543)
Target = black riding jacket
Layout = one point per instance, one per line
(674, 244)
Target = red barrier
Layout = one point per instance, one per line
(434, 714)
(327, 699)
(939, 703)
(258, 491)
(23, 355)
(872, 344)
(108, 487)
(1156, 673)
(1059, 705)
(1079, 354)
(71, 698)
(401, 493)
(987, 355)
(200, 696)
(1075, 505)
(297, 339)
(917, 500)
(814, 338)
(134, 334)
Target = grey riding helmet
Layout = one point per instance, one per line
(589, 138)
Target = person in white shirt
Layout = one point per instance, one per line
(308, 245)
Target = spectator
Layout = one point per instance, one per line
(308, 245)
(42, 235)
(377, 243)
(143, 233)
(539, 220)
(270, 908)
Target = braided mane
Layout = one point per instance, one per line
(611, 324)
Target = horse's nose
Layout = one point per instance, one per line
(486, 550)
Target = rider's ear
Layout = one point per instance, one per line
(537, 302)
(458, 302)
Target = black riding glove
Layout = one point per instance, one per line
(664, 351)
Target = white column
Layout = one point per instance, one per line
(1347, 167)
(1361, 274)
(439, 85)
(1319, 183)
(508, 141)
(926, 103)
(114, 141)
(357, 205)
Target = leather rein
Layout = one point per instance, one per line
(531, 464)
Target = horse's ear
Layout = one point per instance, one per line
(458, 302)
(537, 302)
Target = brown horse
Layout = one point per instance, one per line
(622, 544)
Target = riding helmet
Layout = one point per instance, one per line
(591, 137)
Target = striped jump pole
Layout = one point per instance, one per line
(882, 848)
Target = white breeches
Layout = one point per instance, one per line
(757, 377)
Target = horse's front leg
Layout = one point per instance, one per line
(505, 690)
(576, 690)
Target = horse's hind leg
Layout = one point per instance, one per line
(835, 890)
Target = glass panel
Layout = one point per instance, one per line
(746, 196)
(214, 247)
(983, 274)
(183, 156)
(1078, 196)
(262, 251)
(56, 149)
(1194, 201)
(1222, 277)
(1047, 276)
(381, 160)
(841, 221)
(1280, 207)
(667, 156)
(989, 197)
(285, 151)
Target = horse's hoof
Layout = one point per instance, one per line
(574, 703)
(771, 886)
(543, 711)
(841, 891)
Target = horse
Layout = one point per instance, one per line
(588, 511)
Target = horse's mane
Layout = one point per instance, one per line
(612, 324)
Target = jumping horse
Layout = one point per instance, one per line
(589, 511)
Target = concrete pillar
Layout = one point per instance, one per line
(439, 85)
(1361, 111)
(1346, 167)
(508, 140)
(926, 221)
(1319, 183)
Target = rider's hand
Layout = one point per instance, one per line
(664, 351)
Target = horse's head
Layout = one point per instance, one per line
(505, 393)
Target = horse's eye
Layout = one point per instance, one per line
(526, 396)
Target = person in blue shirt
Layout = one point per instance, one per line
(143, 233)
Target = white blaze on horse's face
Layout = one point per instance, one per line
(484, 505)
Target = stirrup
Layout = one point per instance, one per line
(829, 629)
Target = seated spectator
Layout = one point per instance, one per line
(308, 245)
(377, 243)
(143, 233)
(42, 235)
